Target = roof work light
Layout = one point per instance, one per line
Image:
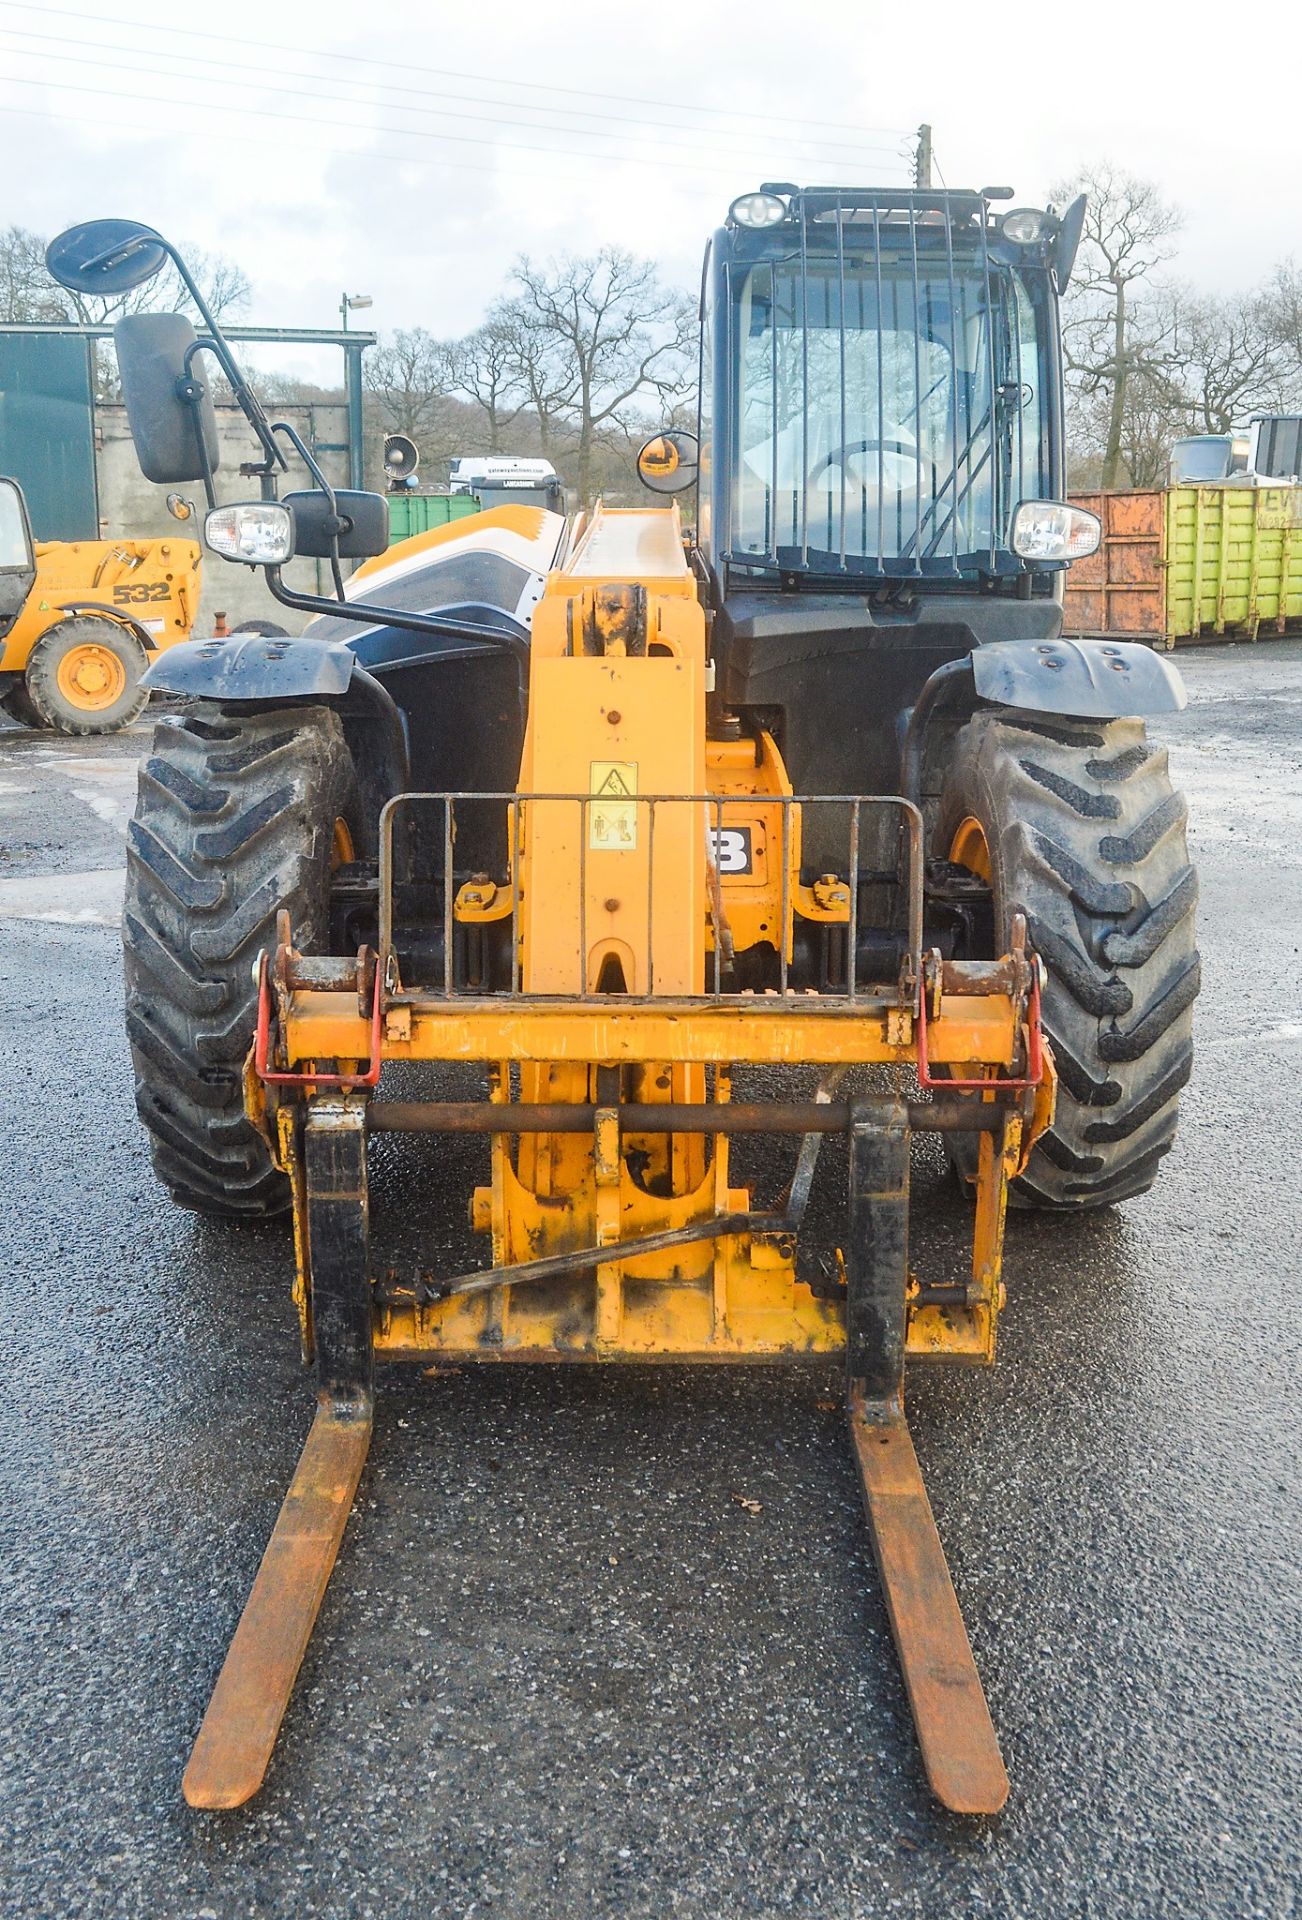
(1024, 226)
(758, 210)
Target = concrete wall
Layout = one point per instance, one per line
(131, 506)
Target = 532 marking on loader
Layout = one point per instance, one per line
(137, 591)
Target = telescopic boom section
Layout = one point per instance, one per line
(616, 710)
(649, 867)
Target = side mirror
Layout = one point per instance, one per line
(17, 555)
(156, 365)
(365, 534)
(669, 462)
(105, 256)
(1067, 241)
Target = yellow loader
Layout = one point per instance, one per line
(622, 817)
(80, 620)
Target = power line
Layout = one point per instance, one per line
(618, 123)
(354, 126)
(134, 65)
(371, 155)
(445, 73)
(375, 156)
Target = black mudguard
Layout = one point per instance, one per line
(259, 669)
(1086, 679)
(254, 666)
(1072, 679)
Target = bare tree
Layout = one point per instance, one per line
(1232, 362)
(1282, 307)
(1154, 415)
(613, 334)
(544, 370)
(485, 367)
(408, 375)
(28, 294)
(1108, 336)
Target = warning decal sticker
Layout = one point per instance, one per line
(612, 815)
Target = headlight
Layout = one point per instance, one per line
(758, 210)
(1024, 226)
(1053, 530)
(259, 532)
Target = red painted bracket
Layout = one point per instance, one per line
(273, 1077)
(1034, 1051)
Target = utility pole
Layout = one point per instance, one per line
(922, 159)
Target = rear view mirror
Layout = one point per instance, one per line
(365, 533)
(1070, 228)
(156, 367)
(105, 256)
(668, 463)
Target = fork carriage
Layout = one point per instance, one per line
(616, 1233)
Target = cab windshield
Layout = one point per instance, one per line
(886, 414)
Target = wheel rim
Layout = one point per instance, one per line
(969, 848)
(91, 677)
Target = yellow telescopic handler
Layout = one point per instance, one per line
(614, 814)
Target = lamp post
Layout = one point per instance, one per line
(349, 303)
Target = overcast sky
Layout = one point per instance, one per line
(410, 150)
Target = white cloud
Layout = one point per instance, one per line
(318, 195)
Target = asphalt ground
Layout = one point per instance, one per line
(561, 1669)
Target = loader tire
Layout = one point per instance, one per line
(1080, 830)
(239, 814)
(84, 677)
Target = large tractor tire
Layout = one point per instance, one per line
(239, 814)
(1075, 824)
(83, 677)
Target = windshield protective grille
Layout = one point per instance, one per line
(889, 401)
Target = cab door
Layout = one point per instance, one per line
(17, 556)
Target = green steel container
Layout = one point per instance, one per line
(1233, 560)
(1180, 564)
(411, 513)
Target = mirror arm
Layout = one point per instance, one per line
(296, 440)
(249, 404)
(191, 393)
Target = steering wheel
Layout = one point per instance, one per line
(837, 456)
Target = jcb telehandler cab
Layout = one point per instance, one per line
(613, 811)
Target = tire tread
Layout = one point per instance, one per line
(234, 820)
(1088, 840)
